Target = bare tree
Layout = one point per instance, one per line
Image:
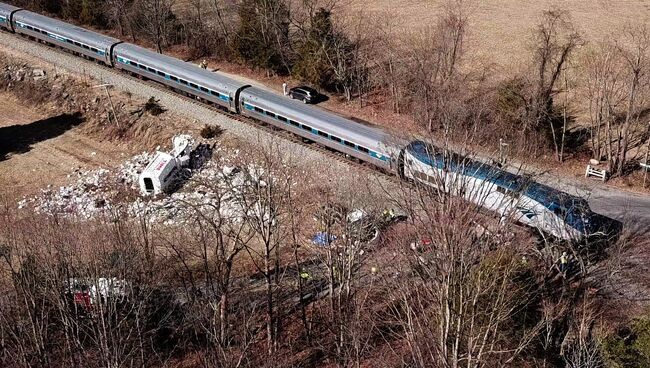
(603, 86)
(555, 40)
(264, 201)
(421, 71)
(635, 50)
(348, 229)
(156, 21)
(464, 295)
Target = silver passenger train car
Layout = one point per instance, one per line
(91, 44)
(6, 11)
(368, 144)
(179, 75)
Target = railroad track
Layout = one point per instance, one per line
(277, 132)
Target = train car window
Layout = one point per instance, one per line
(257, 109)
(363, 149)
(306, 127)
(173, 78)
(44, 32)
(349, 144)
(282, 118)
(152, 70)
(214, 93)
(70, 42)
(205, 90)
(193, 85)
(336, 139)
(86, 47)
(142, 67)
(183, 81)
(323, 134)
(161, 74)
(133, 63)
(294, 123)
(93, 49)
(270, 114)
(77, 44)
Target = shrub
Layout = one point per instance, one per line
(630, 346)
(211, 131)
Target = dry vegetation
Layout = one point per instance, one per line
(54, 125)
(259, 293)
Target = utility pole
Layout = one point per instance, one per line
(110, 101)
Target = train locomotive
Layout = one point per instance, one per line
(552, 211)
(514, 197)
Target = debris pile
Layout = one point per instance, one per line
(130, 170)
(214, 183)
(86, 198)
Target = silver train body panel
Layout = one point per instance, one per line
(6, 11)
(91, 44)
(369, 144)
(178, 74)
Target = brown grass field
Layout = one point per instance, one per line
(501, 29)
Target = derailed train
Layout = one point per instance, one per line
(551, 211)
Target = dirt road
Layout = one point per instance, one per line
(39, 148)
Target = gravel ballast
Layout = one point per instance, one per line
(338, 171)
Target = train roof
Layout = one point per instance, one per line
(64, 29)
(178, 68)
(544, 194)
(371, 137)
(6, 9)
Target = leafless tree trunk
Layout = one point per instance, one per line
(637, 58)
(264, 201)
(554, 42)
(155, 21)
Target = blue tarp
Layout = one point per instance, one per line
(322, 239)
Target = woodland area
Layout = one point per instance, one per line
(217, 292)
(575, 97)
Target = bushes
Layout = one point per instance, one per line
(210, 131)
(263, 35)
(630, 347)
(312, 61)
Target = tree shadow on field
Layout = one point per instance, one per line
(16, 139)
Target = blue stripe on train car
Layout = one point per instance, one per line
(58, 38)
(248, 107)
(378, 156)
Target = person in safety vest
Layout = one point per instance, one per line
(305, 275)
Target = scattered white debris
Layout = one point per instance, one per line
(215, 182)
